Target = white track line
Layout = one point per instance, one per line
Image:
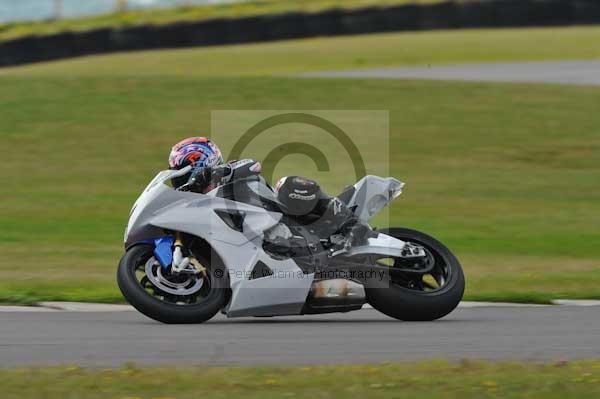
(19, 309)
(575, 302)
(85, 307)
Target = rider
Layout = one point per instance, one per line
(209, 171)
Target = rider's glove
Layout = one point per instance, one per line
(201, 178)
(204, 177)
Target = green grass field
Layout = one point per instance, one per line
(431, 379)
(506, 174)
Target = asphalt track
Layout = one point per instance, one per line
(104, 339)
(564, 72)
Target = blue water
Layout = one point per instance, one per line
(35, 10)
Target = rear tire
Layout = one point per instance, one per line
(410, 304)
(162, 311)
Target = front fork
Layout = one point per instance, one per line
(179, 261)
(168, 251)
(184, 264)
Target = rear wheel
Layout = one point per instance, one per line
(429, 291)
(169, 298)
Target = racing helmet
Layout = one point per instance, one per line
(199, 152)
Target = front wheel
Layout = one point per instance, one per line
(168, 298)
(413, 296)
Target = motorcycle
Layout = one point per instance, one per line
(245, 250)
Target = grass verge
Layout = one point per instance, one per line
(465, 379)
(187, 14)
(347, 52)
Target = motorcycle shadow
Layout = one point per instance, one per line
(312, 320)
(282, 321)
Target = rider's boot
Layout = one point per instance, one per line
(343, 222)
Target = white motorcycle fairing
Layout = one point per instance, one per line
(372, 194)
(161, 208)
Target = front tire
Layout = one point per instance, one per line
(163, 311)
(404, 298)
